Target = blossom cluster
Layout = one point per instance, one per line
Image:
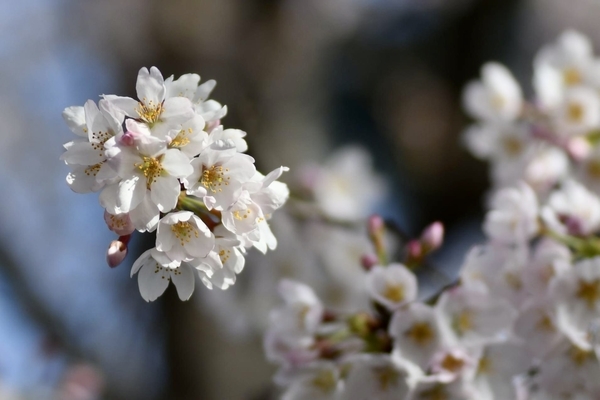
(523, 319)
(163, 162)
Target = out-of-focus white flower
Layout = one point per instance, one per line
(514, 215)
(579, 113)
(468, 315)
(392, 286)
(497, 97)
(316, 381)
(572, 210)
(416, 334)
(377, 377)
(435, 387)
(346, 188)
(576, 296)
(563, 64)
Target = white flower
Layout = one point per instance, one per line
(186, 86)
(120, 224)
(416, 334)
(576, 296)
(218, 175)
(579, 113)
(375, 377)
(149, 171)
(435, 387)
(317, 381)
(572, 210)
(499, 142)
(346, 188)
(549, 260)
(302, 313)
(392, 286)
(497, 97)
(155, 271)
(86, 155)
(537, 327)
(183, 236)
(566, 63)
(469, 315)
(514, 215)
(154, 108)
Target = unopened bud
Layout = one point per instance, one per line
(414, 249)
(433, 236)
(116, 253)
(375, 224)
(368, 261)
(128, 139)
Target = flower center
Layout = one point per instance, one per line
(571, 76)
(183, 231)
(151, 168)
(182, 138)
(436, 393)
(579, 356)
(213, 178)
(394, 292)
(387, 377)
(512, 146)
(463, 322)
(452, 364)
(589, 292)
(325, 381)
(148, 111)
(421, 333)
(98, 139)
(575, 112)
(93, 169)
(593, 169)
(545, 324)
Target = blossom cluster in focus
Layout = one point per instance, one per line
(163, 162)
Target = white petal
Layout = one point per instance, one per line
(150, 86)
(177, 164)
(184, 281)
(165, 192)
(131, 193)
(152, 283)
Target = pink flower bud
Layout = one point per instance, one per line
(128, 139)
(116, 253)
(375, 224)
(414, 249)
(433, 236)
(368, 261)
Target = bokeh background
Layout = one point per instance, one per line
(302, 77)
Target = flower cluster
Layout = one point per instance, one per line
(164, 163)
(523, 320)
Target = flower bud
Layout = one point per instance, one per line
(116, 253)
(128, 139)
(433, 236)
(368, 261)
(414, 250)
(375, 225)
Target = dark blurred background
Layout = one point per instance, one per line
(302, 77)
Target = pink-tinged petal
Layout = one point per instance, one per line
(177, 164)
(150, 87)
(177, 110)
(165, 192)
(184, 280)
(131, 193)
(145, 216)
(125, 104)
(153, 281)
(82, 153)
(75, 118)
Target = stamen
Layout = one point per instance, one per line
(183, 231)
